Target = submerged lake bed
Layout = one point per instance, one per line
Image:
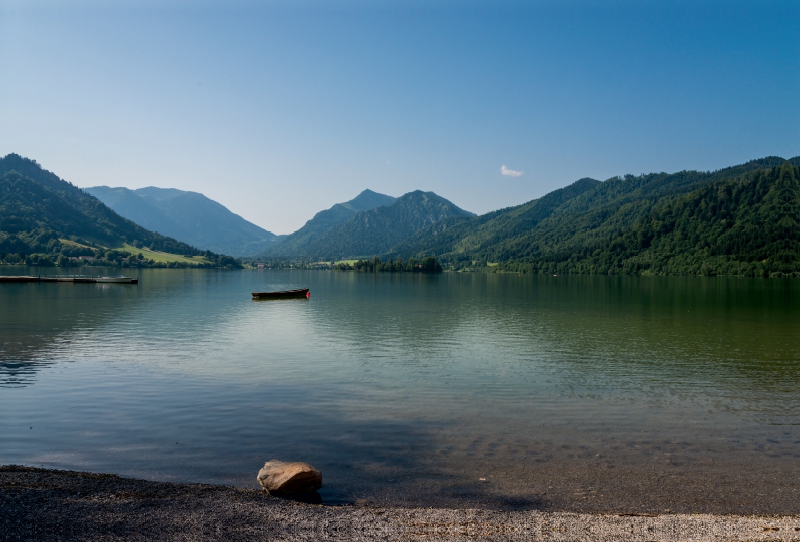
(585, 393)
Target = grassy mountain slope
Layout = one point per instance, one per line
(188, 216)
(37, 209)
(297, 243)
(375, 231)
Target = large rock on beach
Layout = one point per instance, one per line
(289, 478)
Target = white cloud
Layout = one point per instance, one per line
(510, 172)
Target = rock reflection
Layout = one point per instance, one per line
(18, 374)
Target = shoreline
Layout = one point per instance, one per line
(47, 504)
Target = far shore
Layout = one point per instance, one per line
(45, 504)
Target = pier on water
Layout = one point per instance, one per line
(85, 279)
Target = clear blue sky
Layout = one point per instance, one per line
(280, 109)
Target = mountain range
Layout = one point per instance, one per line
(41, 213)
(188, 216)
(741, 220)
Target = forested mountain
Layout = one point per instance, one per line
(38, 210)
(685, 223)
(187, 216)
(462, 235)
(297, 243)
(376, 231)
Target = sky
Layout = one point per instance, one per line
(279, 109)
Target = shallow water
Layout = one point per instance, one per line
(560, 392)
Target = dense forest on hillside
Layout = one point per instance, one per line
(43, 218)
(630, 225)
(749, 226)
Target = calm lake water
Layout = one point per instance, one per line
(560, 392)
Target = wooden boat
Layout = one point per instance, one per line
(302, 292)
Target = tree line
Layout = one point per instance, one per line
(375, 265)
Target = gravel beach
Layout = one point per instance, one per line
(42, 504)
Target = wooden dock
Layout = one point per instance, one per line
(81, 279)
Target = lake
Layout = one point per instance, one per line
(571, 392)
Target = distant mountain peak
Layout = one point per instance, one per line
(420, 195)
(187, 216)
(369, 199)
(368, 192)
